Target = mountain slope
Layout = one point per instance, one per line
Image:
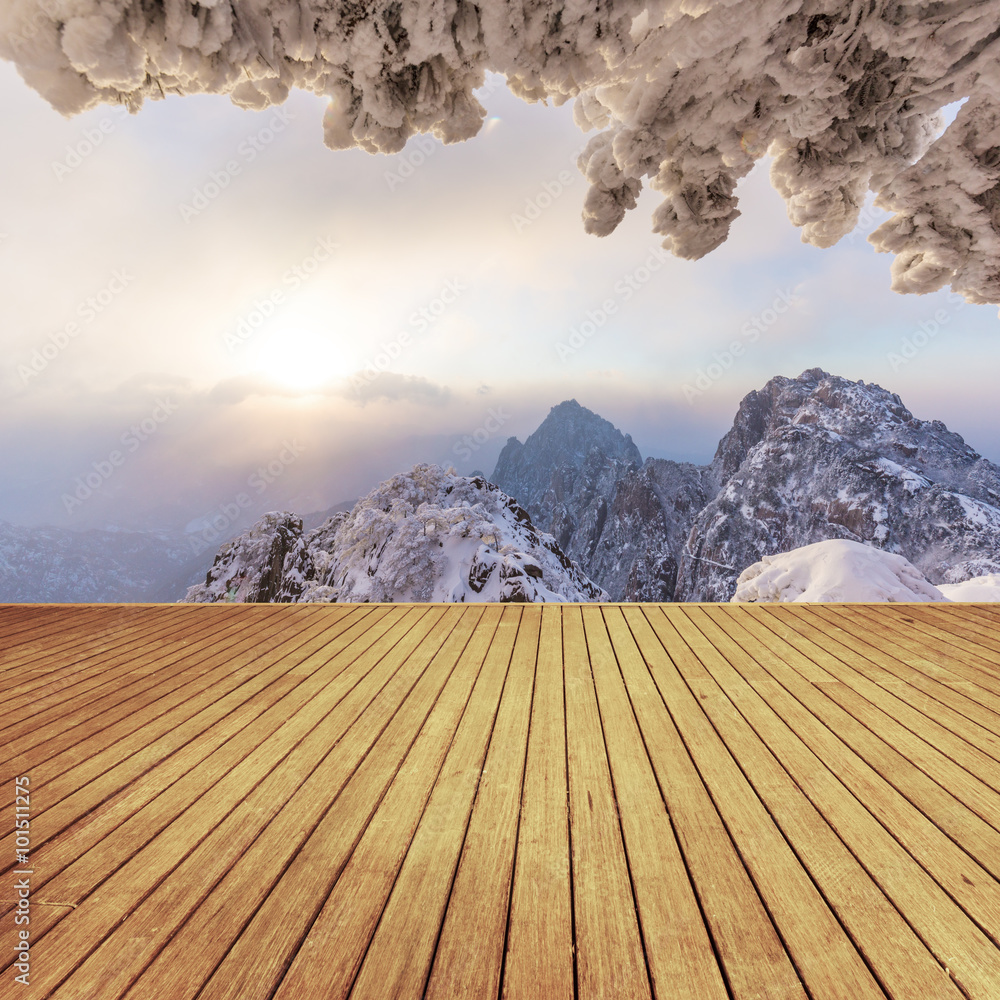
(566, 473)
(427, 535)
(820, 457)
(60, 566)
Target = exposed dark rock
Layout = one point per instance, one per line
(821, 457)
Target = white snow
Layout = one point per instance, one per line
(425, 535)
(687, 97)
(834, 570)
(978, 589)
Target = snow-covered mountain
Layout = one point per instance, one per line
(807, 459)
(56, 565)
(565, 474)
(427, 535)
(819, 457)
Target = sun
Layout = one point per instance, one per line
(300, 354)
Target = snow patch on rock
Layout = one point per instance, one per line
(834, 570)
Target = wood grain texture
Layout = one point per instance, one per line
(263, 802)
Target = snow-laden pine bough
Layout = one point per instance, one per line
(687, 94)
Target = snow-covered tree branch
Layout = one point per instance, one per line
(687, 94)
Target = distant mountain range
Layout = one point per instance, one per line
(807, 459)
(575, 513)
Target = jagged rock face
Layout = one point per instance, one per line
(267, 563)
(638, 553)
(427, 535)
(821, 457)
(623, 522)
(565, 475)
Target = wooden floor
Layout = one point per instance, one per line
(520, 801)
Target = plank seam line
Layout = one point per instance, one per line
(194, 847)
(251, 917)
(385, 791)
(142, 687)
(886, 742)
(178, 749)
(569, 816)
(520, 809)
(871, 623)
(680, 847)
(992, 935)
(920, 711)
(614, 795)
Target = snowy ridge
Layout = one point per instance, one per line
(426, 535)
(687, 97)
(820, 457)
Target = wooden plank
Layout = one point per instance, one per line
(678, 947)
(956, 941)
(83, 664)
(140, 864)
(609, 948)
(91, 812)
(539, 958)
(52, 710)
(750, 948)
(22, 624)
(897, 754)
(903, 636)
(347, 921)
(469, 955)
(896, 956)
(978, 622)
(89, 748)
(938, 703)
(399, 957)
(927, 821)
(716, 806)
(345, 788)
(897, 699)
(972, 633)
(252, 968)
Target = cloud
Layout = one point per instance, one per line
(394, 388)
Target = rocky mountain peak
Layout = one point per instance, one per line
(565, 474)
(820, 457)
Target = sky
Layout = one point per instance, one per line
(204, 305)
